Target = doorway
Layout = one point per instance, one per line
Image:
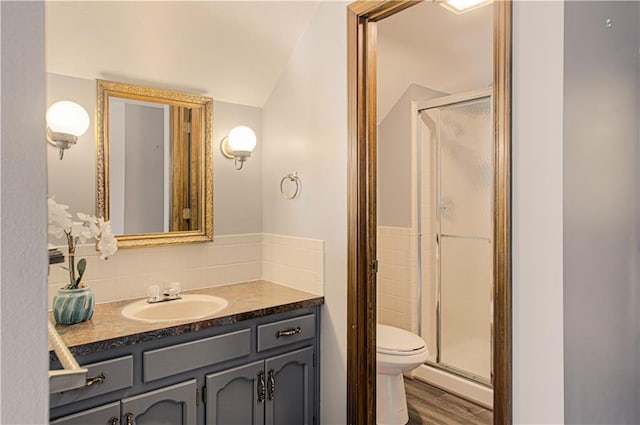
(363, 220)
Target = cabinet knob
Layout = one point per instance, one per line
(272, 385)
(261, 389)
(128, 417)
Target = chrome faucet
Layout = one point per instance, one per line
(170, 294)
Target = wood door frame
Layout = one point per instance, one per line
(362, 17)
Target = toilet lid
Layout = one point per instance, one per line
(395, 340)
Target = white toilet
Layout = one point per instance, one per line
(397, 351)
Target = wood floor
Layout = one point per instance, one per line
(429, 405)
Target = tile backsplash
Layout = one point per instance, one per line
(295, 262)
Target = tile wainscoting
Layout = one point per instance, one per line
(398, 295)
(290, 261)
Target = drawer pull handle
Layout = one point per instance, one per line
(95, 380)
(129, 418)
(272, 385)
(261, 389)
(289, 332)
(113, 420)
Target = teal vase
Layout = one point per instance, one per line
(72, 306)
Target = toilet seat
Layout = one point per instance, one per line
(398, 342)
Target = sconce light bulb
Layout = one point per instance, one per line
(242, 139)
(67, 117)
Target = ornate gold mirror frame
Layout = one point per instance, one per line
(361, 314)
(191, 168)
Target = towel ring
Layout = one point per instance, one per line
(293, 177)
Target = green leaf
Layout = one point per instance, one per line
(82, 266)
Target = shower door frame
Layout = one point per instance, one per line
(362, 18)
(418, 106)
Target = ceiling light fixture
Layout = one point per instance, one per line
(462, 6)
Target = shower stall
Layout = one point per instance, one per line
(454, 159)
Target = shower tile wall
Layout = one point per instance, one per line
(398, 278)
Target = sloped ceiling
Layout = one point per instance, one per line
(235, 51)
(232, 51)
(430, 46)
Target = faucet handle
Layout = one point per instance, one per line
(153, 292)
(175, 288)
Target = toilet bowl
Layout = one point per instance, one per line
(397, 351)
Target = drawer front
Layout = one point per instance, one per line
(102, 378)
(179, 358)
(285, 332)
(104, 415)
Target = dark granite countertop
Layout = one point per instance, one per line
(108, 329)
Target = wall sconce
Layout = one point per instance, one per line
(66, 121)
(239, 144)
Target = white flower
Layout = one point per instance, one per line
(89, 227)
(59, 219)
(82, 232)
(108, 244)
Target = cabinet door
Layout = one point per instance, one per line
(109, 414)
(290, 388)
(236, 396)
(172, 405)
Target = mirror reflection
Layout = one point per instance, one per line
(152, 148)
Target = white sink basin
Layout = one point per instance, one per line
(189, 307)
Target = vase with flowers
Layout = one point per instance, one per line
(74, 302)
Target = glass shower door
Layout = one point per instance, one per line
(459, 195)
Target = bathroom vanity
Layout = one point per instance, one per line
(255, 362)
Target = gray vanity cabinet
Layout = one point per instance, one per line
(236, 396)
(172, 405)
(260, 371)
(290, 388)
(276, 391)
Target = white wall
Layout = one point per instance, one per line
(23, 168)
(237, 195)
(305, 130)
(538, 385)
(600, 186)
(395, 182)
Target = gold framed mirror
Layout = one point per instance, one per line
(154, 164)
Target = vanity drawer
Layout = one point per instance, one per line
(107, 376)
(109, 413)
(179, 358)
(285, 332)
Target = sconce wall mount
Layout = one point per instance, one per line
(61, 141)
